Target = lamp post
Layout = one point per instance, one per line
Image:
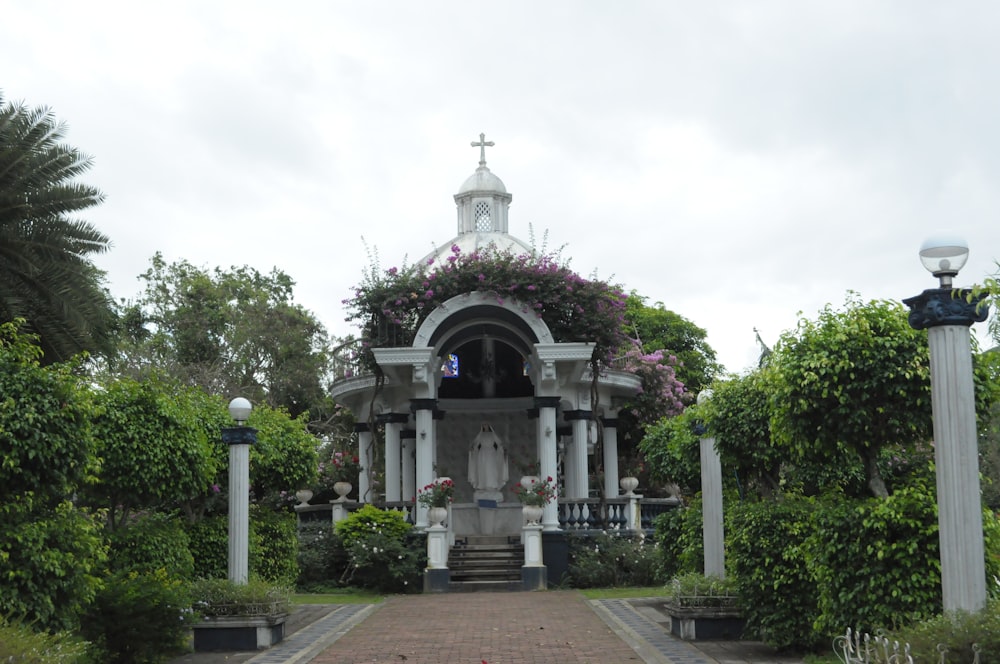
(711, 499)
(239, 438)
(947, 314)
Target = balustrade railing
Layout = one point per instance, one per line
(592, 514)
(857, 648)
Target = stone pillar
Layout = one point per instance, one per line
(365, 460)
(424, 412)
(577, 461)
(393, 423)
(611, 487)
(956, 454)
(239, 440)
(409, 447)
(711, 506)
(547, 439)
(533, 572)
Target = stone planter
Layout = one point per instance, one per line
(238, 633)
(703, 623)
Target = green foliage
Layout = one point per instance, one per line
(370, 520)
(609, 561)
(46, 275)
(208, 540)
(876, 562)
(22, 645)
(679, 538)
(221, 597)
(322, 558)
(46, 443)
(154, 450)
(696, 590)
(857, 380)
(152, 542)
(49, 562)
(766, 552)
(273, 546)
(957, 633)
(672, 453)
(234, 332)
(139, 618)
(285, 457)
(386, 563)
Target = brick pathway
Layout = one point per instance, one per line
(469, 628)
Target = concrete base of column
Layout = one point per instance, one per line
(534, 578)
(436, 580)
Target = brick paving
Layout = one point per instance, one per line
(554, 627)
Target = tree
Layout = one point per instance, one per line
(46, 275)
(658, 329)
(234, 333)
(855, 380)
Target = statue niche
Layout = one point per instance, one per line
(487, 368)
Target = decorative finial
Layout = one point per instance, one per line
(482, 145)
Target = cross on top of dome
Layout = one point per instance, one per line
(482, 145)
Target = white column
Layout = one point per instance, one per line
(239, 509)
(409, 464)
(393, 424)
(547, 439)
(425, 452)
(611, 487)
(956, 456)
(578, 461)
(365, 460)
(711, 505)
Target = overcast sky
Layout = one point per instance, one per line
(740, 162)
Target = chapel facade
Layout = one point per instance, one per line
(485, 394)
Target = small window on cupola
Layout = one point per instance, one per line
(483, 222)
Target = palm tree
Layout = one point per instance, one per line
(46, 275)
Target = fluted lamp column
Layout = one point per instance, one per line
(239, 439)
(947, 314)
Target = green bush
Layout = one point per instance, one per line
(876, 562)
(139, 618)
(370, 520)
(957, 632)
(606, 561)
(386, 563)
(322, 558)
(766, 554)
(152, 542)
(208, 541)
(221, 597)
(274, 546)
(678, 536)
(23, 645)
(49, 561)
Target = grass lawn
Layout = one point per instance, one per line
(620, 593)
(345, 596)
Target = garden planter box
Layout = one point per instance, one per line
(239, 633)
(704, 623)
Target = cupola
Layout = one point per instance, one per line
(482, 200)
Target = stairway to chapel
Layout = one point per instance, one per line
(486, 562)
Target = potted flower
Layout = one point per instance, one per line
(436, 496)
(704, 607)
(235, 617)
(339, 472)
(630, 480)
(535, 497)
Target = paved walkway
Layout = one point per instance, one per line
(553, 627)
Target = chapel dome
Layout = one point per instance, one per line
(482, 180)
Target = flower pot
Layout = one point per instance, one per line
(342, 489)
(532, 514)
(628, 485)
(436, 515)
(303, 496)
(238, 633)
(529, 481)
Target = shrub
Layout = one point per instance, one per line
(221, 597)
(370, 520)
(322, 558)
(957, 632)
(273, 546)
(766, 554)
(21, 644)
(876, 562)
(695, 590)
(678, 536)
(386, 564)
(607, 561)
(208, 540)
(139, 618)
(155, 541)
